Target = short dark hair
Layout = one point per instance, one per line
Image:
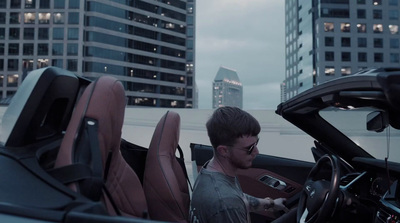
(227, 124)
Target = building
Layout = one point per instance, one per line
(227, 89)
(148, 45)
(326, 39)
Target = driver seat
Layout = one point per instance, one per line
(89, 160)
(165, 178)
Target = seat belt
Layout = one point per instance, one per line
(181, 161)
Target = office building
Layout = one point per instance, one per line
(327, 39)
(227, 89)
(148, 45)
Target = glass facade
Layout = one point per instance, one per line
(149, 46)
(327, 39)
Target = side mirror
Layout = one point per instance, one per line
(377, 121)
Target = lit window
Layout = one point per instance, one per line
(330, 71)
(345, 27)
(378, 28)
(328, 27)
(58, 18)
(44, 18)
(345, 71)
(29, 18)
(394, 29)
(361, 28)
(377, 2)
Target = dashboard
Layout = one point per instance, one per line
(374, 192)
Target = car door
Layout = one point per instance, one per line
(269, 176)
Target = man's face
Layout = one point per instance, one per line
(243, 152)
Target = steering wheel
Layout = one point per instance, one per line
(318, 198)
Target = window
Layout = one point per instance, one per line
(345, 27)
(29, 18)
(45, 4)
(27, 64)
(12, 64)
(72, 65)
(73, 33)
(74, 4)
(361, 2)
(29, 33)
(72, 49)
(378, 28)
(329, 41)
(58, 33)
(393, 14)
(57, 63)
(2, 18)
(14, 33)
(13, 49)
(393, 2)
(394, 29)
(329, 56)
(361, 14)
(1, 48)
(43, 49)
(12, 80)
(73, 18)
(59, 4)
(44, 18)
(346, 42)
(15, 4)
(378, 43)
(346, 56)
(2, 33)
(361, 28)
(30, 4)
(58, 49)
(377, 14)
(329, 71)
(394, 58)
(43, 33)
(378, 57)
(362, 42)
(42, 63)
(58, 18)
(15, 18)
(362, 57)
(28, 49)
(377, 2)
(328, 27)
(345, 71)
(394, 43)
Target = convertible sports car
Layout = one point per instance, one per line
(62, 158)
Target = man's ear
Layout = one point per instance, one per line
(222, 151)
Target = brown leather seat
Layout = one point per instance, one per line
(102, 105)
(165, 182)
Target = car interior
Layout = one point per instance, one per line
(62, 157)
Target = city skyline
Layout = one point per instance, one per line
(246, 36)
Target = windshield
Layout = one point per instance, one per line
(352, 123)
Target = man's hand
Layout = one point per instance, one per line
(279, 205)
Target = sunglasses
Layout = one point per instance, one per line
(250, 149)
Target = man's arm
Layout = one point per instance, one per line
(261, 204)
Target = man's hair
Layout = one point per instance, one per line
(227, 124)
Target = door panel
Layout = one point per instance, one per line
(269, 176)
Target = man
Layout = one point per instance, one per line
(217, 195)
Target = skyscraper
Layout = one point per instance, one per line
(227, 89)
(326, 39)
(148, 45)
